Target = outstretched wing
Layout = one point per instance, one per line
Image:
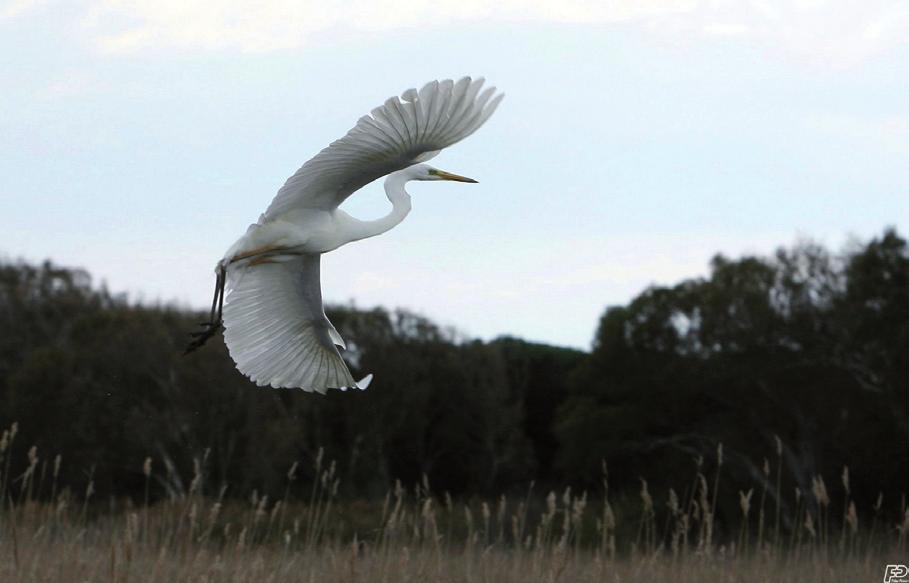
(276, 330)
(402, 132)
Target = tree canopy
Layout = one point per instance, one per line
(804, 350)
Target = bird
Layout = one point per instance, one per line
(268, 296)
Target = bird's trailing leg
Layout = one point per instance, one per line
(214, 323)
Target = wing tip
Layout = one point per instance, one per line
(364, 383)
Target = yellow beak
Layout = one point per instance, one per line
(449, 176)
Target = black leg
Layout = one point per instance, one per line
(214, 300)
(223, 279)
(213, 325)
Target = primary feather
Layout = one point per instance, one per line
(276, 330)
(402, 132)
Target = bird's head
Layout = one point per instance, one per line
(427, 172)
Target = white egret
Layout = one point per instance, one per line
(268, 296)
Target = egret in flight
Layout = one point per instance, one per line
(268, 297)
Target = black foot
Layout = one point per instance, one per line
(215, 322)
(209, 329)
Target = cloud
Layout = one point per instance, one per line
(14, 8)
(832, 31)
(121, 25)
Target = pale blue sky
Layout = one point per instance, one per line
(139, 139)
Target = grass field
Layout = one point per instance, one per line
(413, 535)
(170, 543)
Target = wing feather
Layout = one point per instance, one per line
(403, 131)
(276, 329)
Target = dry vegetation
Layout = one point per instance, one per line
(414, 535)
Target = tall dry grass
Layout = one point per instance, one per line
(52, 534)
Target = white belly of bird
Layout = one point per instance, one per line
(302, 231)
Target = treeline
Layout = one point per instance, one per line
(102, 382)
(801, 358)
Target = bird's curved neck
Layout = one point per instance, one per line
(400, 207)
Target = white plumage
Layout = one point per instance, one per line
(268, 281)
(402, 132)
(276, 330)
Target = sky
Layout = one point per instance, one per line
(138, 139)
